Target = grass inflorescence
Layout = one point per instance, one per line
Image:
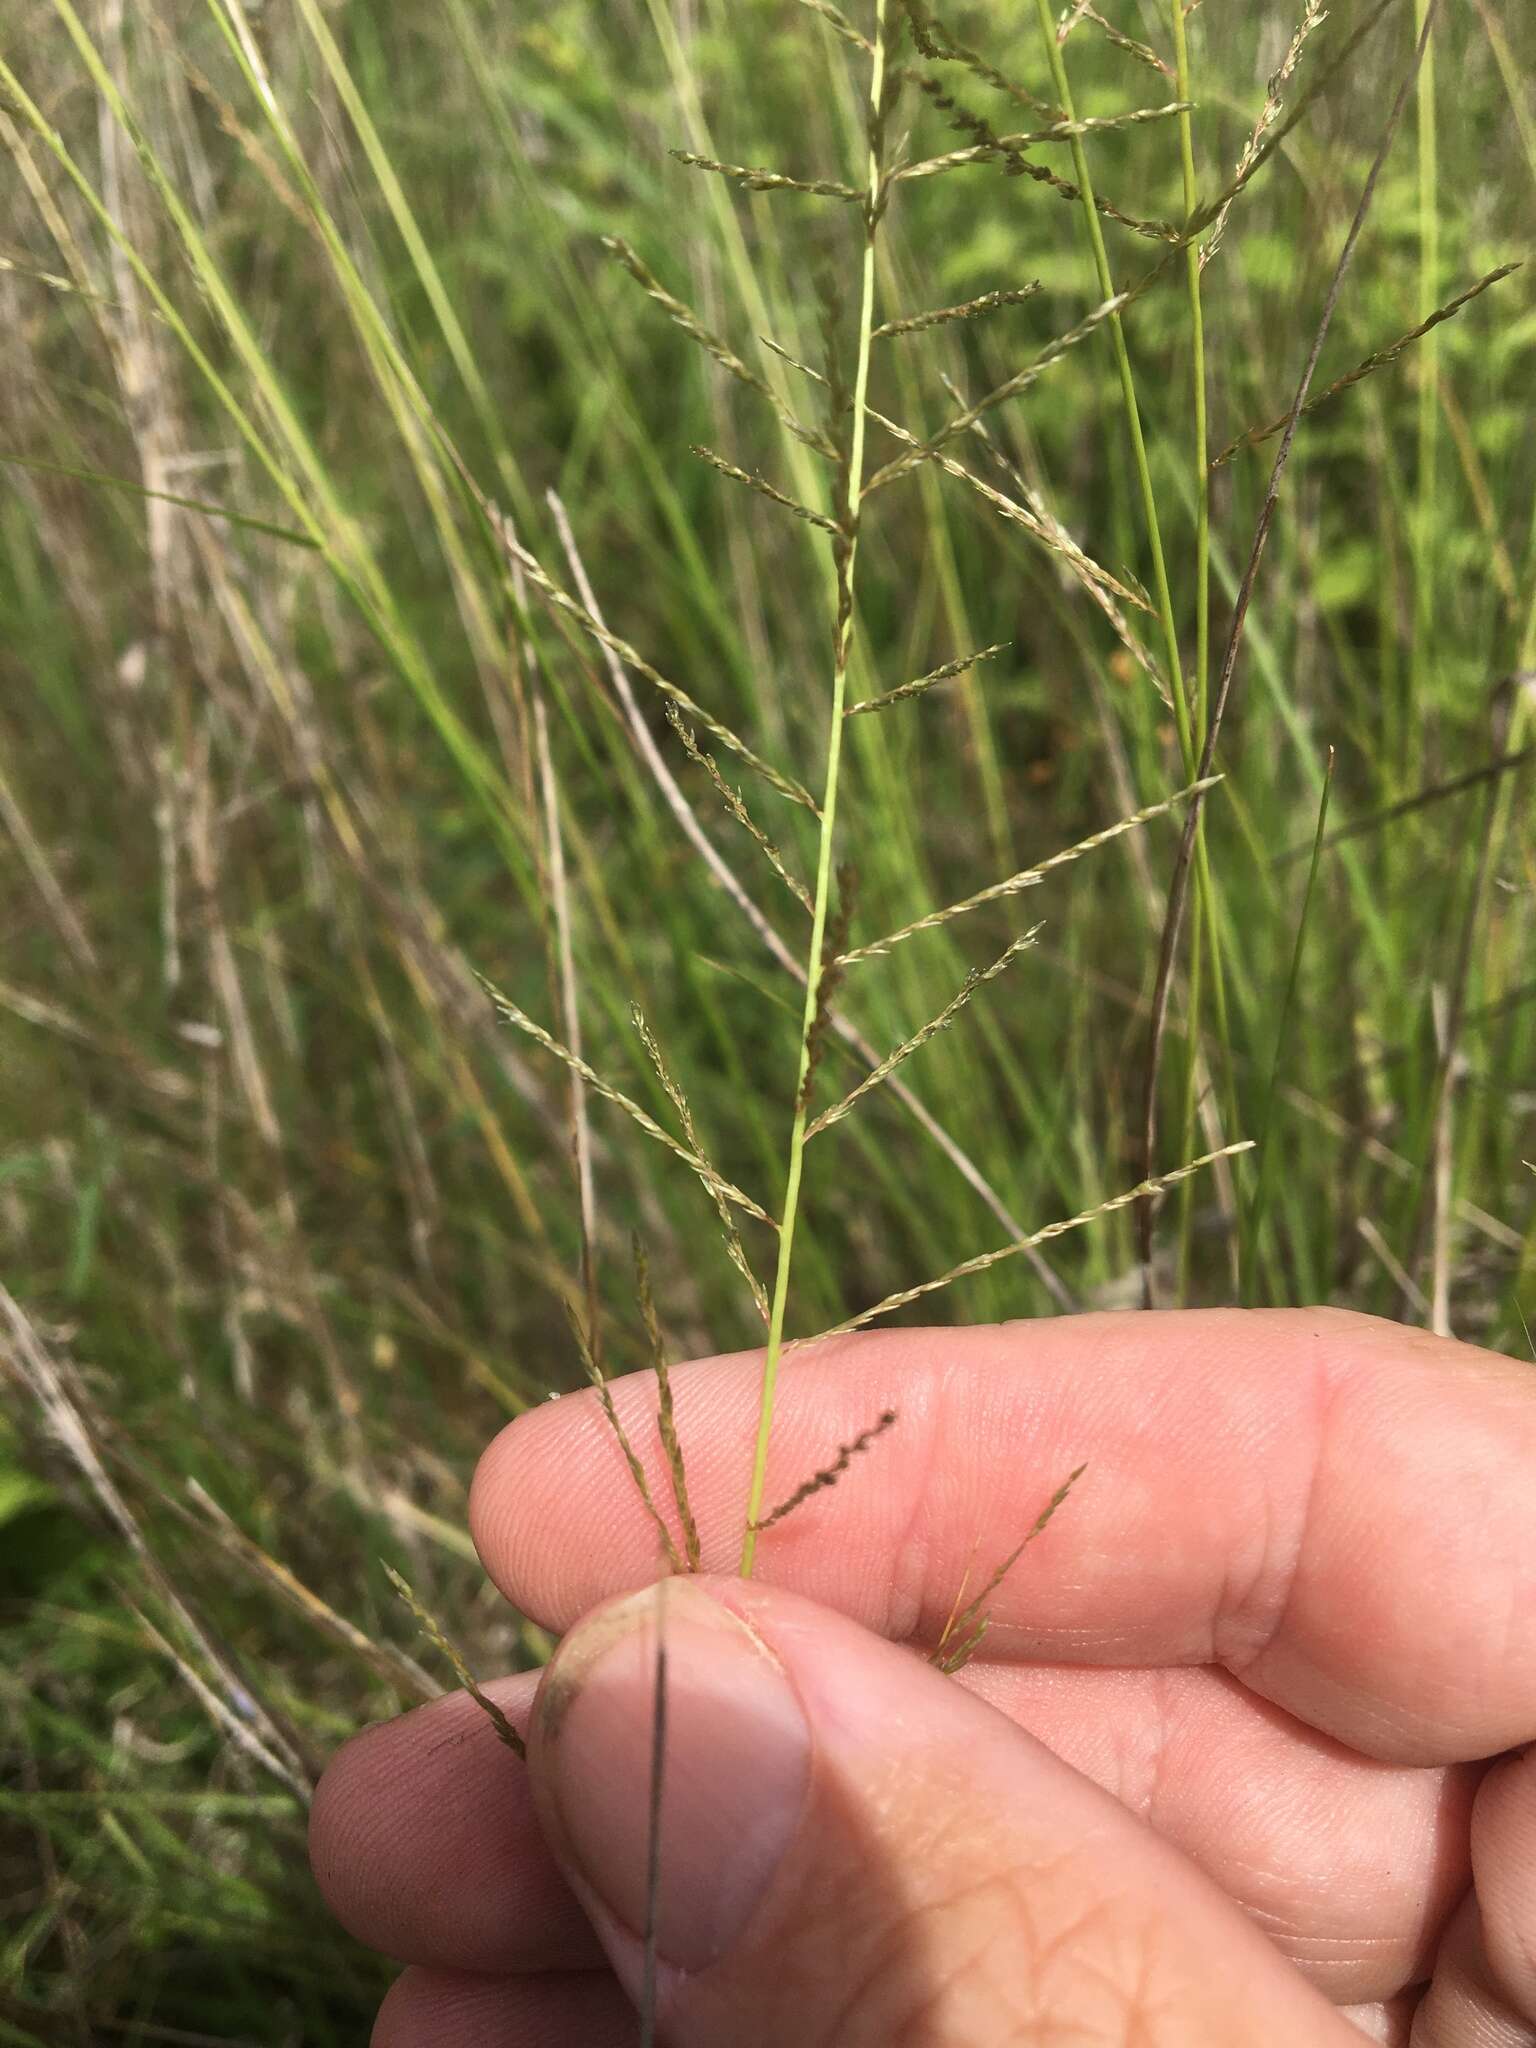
(508, 516)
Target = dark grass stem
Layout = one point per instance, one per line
(1179, 884)
(1201, 680)
(847, 553)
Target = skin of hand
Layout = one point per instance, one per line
(1240, 1761)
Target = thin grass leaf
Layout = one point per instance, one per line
(950, 669)
(432, 1630)
(984, 1261)
(599, 1382)
(1189, 839)
(761, 485)
(756, 179)
(123, 483)
(1027, 878)
(976, 979)
(736, 805)
(830, 1474)
(1405, 807)
(712, 1180)
(1378, 361)
(666, 1417)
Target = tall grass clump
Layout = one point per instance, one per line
(628, 631)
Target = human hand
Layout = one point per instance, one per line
(1226, 1770)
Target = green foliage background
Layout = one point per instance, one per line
(287, 1216)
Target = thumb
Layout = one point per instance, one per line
(854, 1851)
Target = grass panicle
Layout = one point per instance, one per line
(666, 1420)
(965, 1629)
(432, 1629)
(830, 1474)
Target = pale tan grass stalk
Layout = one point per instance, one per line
(570, 1013)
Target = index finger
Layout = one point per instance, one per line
(1335, 1509)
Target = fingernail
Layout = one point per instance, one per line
(736, 1765)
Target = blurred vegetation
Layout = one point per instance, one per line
(288, 1215)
